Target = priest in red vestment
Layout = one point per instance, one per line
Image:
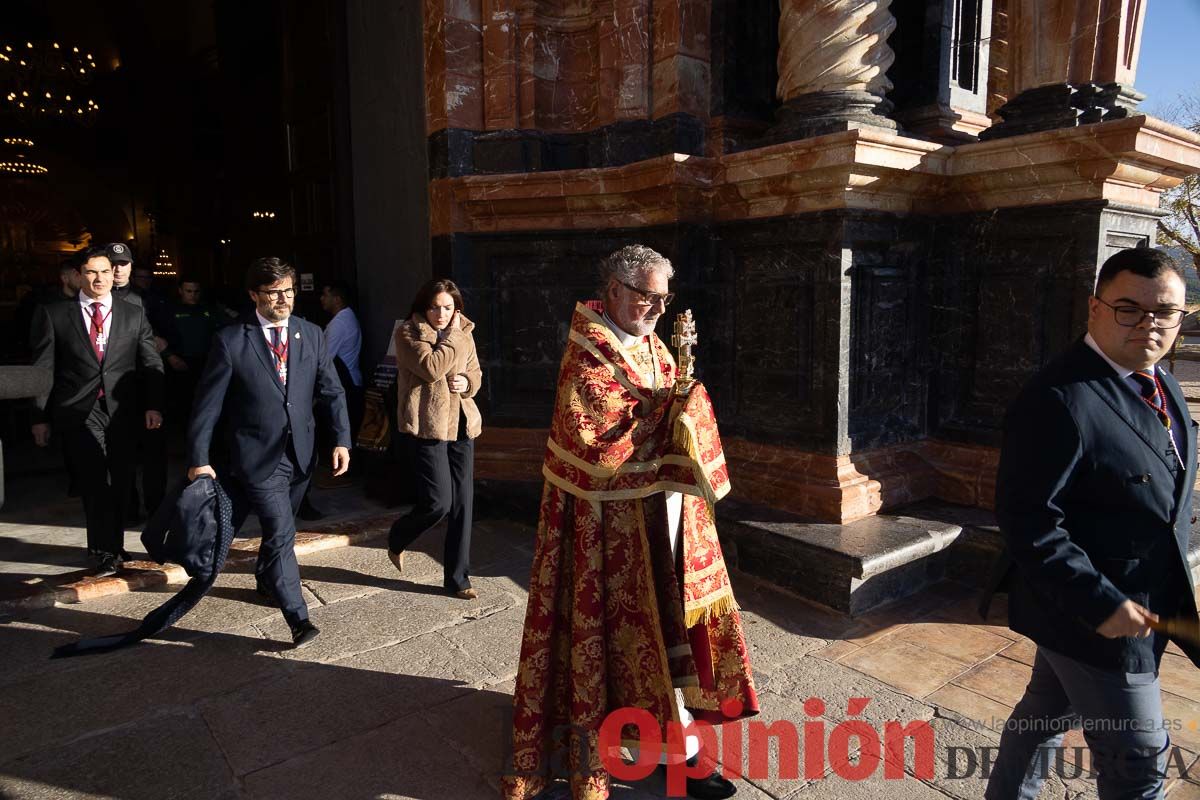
(630, 604)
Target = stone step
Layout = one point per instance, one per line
(858, 567)
(850, 568)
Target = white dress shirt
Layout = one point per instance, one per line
(266, 326)
(1121, 371)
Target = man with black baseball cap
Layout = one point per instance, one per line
(121, 258)
(152, 443)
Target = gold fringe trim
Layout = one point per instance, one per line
(711, 610)
(684, 437)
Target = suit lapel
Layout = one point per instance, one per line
(1135, 413)
(258, 343)
(295, 347)
(119, 323)
(1187, 438)
(80, 327)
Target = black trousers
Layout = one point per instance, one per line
(100, 460)
(274, 501)
(152, 457)
(445, 478)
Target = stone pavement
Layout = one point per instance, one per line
(42, 559)
(405, 694)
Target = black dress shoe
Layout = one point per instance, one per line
(107, 565)
(303, 632)
(714, 787)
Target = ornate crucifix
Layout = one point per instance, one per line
(684, 340)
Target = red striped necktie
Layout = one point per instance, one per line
(98, 343)
(279, 348)
(1152, 393)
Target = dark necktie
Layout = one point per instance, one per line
(279, 347)
(98, 331)
(1151, 393)
(98, 340)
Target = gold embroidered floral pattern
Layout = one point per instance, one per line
(607, 625)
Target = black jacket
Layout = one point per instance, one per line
(1094, 510)
(194, 528)
(61, 344)
(188, 526)
(239, 381)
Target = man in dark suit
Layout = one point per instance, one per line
(96, 348)
(1094, 497)
(264, 376)
(152, 444)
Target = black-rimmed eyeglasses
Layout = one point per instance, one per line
(1132, 316)
(277, 294)
(650, 298)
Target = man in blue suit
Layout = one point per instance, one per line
(262, 379)
(1094, 497)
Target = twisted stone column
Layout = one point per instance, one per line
(833, 62)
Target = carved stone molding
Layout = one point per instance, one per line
(833, 62)
(1130, 161)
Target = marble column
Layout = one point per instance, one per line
(833, 62)
(998, 90)
(1072, 62)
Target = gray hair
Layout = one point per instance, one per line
(632, 262)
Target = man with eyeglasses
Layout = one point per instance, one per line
(1094, 497)
(629, 602)
(263, 378)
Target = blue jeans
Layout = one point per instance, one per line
(1121, 716)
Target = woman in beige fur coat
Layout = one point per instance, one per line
(438, 375)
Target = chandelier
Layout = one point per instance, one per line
(15, 158)
(47, 80)
(163, 265)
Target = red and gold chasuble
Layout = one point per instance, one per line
(613, 619)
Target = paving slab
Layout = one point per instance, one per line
(383, 619)
(914, 670)
(113, 689)
(139, 761)
(495, 636)
(402, 760)
(310, 705)
(835, 684)
(998, 678)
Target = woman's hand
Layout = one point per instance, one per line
(458, 383)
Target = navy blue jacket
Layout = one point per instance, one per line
(1094, 510)
(189, 526)
(240, 382)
